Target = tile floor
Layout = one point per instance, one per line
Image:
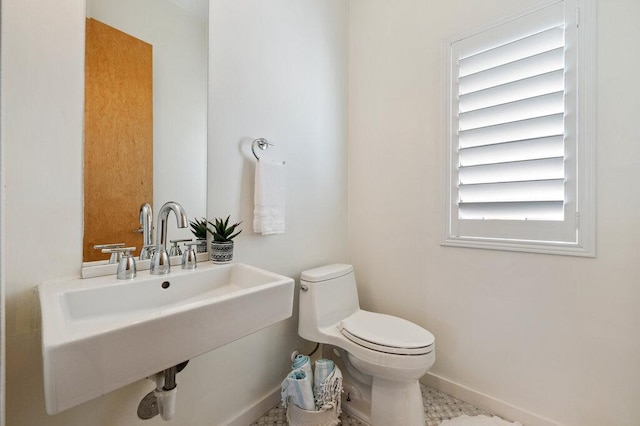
(438, 406)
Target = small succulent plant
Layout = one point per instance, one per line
(199, 228)
(222, 231)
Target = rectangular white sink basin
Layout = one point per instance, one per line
(100, 334)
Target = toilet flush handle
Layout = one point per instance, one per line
(304, 287)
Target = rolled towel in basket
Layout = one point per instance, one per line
(323, 369)
(302, 362)
(327, 385)
(297, 388)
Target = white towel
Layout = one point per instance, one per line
(297, 389)
(302, 362)
(324, 367)
(329, 394)
(268, 213)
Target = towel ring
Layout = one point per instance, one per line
(262, 143)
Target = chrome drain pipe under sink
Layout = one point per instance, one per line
(161, 400)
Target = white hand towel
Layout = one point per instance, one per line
(268, 213)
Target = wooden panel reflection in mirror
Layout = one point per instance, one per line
(118, 145)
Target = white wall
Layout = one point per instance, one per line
(279, 72)
(555, 337)
(42, 107)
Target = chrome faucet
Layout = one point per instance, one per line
(146, 221)
(160, 260)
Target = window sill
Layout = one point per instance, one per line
(565, 249)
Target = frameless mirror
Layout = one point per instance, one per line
(153, 150)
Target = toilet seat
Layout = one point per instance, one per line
(386, 333)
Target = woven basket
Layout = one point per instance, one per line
(296, 416)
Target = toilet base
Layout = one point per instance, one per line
(391, 403)
(396, 403)
(379, 402)
(356, 407)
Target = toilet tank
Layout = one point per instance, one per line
(331, 296)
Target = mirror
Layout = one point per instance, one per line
(177, 33)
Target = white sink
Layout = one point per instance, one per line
(100, 334)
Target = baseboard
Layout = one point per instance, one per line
(486, 402)
(255, 411)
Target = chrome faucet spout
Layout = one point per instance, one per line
(146, 221)
(160, 261)
(163, 216)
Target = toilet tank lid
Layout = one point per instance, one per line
(324, 273)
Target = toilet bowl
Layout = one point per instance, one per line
(381, 356)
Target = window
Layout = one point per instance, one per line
(520, 132)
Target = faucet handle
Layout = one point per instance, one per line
(175, 249)
(115, 256)
(146, 252)
(127, 264)
(189, 260)
(108, 246)
(117, 252)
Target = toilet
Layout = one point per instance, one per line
(381, 356)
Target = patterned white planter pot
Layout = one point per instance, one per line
(202, 247)
(221, 252)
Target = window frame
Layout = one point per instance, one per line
(580, 160)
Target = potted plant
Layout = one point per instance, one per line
(199, 230)
(222, 243)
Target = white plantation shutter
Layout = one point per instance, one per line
(512, 130)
